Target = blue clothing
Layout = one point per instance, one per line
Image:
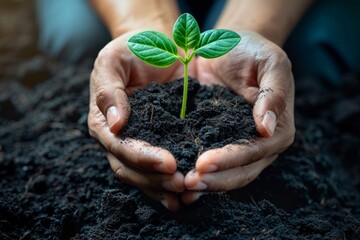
(70, 30)
(325, 44)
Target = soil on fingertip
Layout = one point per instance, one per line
(215, 117)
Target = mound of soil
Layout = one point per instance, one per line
(215, 117)
(55, 182)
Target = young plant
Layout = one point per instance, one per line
(158, 50)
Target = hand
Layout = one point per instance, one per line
(260, 71)
(117, 73)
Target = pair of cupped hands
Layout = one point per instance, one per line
(256, 68)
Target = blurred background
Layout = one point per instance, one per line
(22, 66)
(17, 38)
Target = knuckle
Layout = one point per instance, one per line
(280, 57)
(290, 137)
(103, 55)
(286, 60)
(124, 174)
(281, 100)
(111, 147)
(258, 151)
(90, 119)
(92, 129)
(93, 124)
(121, 174)
(283, 58)
(101, 95)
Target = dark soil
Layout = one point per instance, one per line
(215, 117)
(55, 182)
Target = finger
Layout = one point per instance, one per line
(226, 180)
(236, 155)
(169, 200)
(107, 90)
(140, 154)
(145, 180)
(276, 92)
(189, 197)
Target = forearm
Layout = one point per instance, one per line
(121, 16)
(274, 19)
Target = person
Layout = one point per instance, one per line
(258, 69)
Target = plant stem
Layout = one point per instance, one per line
(185, 91)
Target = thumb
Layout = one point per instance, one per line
(276, 89)
(107, 91)
(113, 103)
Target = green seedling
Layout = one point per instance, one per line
(158, 50)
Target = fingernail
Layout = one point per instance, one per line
(165, 203)
(199, 186)
(269, 122)
(211, 168)
(112, 116)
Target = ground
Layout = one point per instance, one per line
(55, 182)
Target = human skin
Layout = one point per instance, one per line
(257, 68)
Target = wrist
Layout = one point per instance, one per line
(273, 34)
(122, 16)
(274, 19)
(142, 25)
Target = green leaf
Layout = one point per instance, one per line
(186, 32)
(153, 48)
(215, 43)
